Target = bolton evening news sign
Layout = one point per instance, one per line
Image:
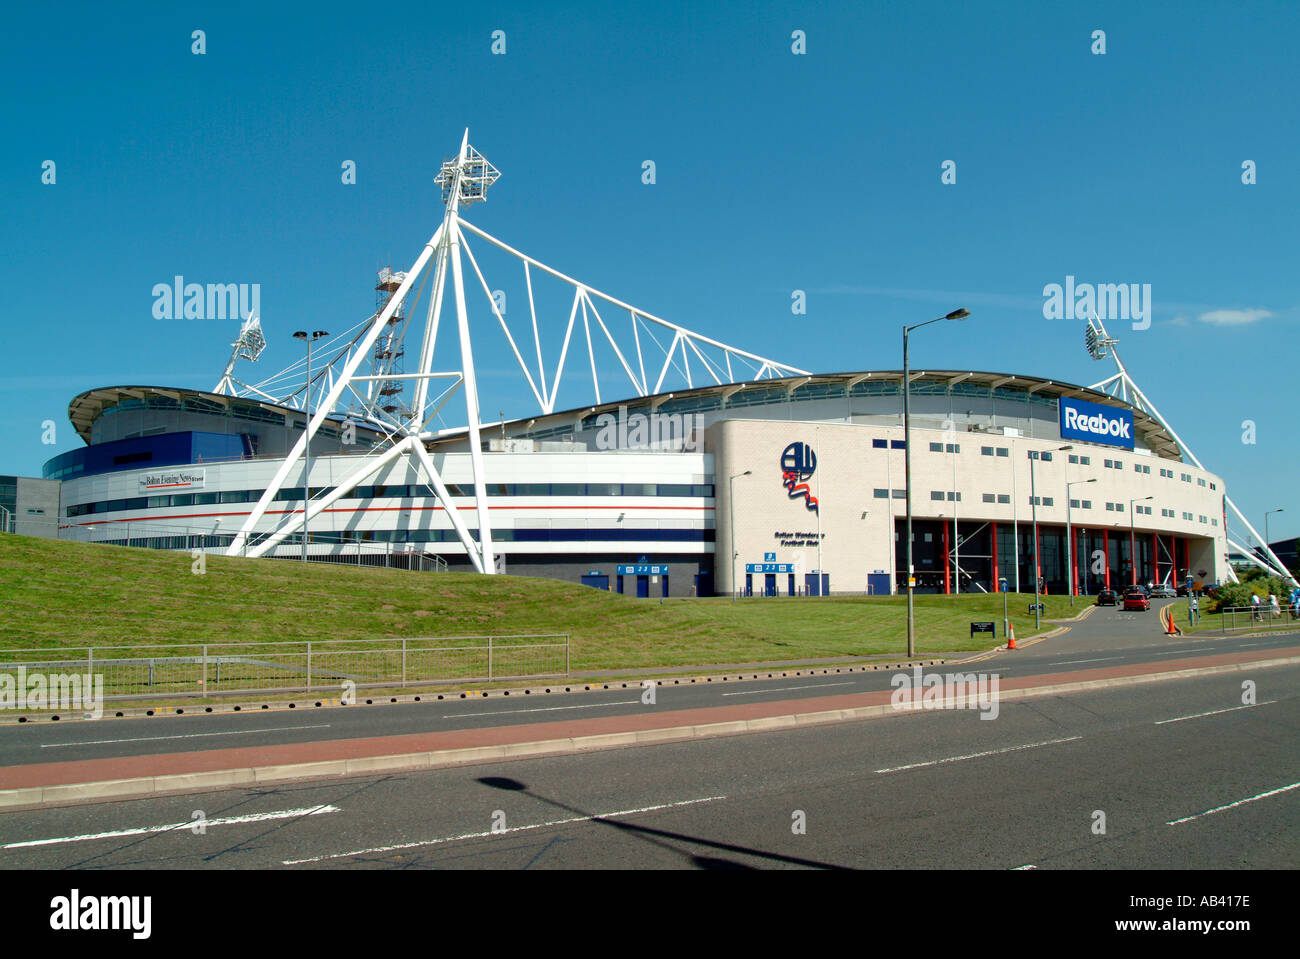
(1081, 420)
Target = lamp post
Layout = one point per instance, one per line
(1132, 542)
(731, 503)
(1069, 537)
(1033, 504)
(1278, 510)
(960, 314)
(306, 489)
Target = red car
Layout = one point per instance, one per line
(1136, 599)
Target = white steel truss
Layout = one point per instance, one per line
(1122, 386)
(647, 362)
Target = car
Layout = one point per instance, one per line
(1136, 599)
(1163, 592)
(1108, 597)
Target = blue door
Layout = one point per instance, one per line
(643, 587)
(598, 581)
(665, 581)
(769, 584)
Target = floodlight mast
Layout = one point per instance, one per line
(1122, 385)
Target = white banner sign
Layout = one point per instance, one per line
(177, 479)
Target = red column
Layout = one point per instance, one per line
(1155, 555)
(1038, 555)
(947, 582)
(1105, 548)
(997, 582)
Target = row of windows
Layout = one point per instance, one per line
(1080, 460)
(884, 494)
(890, 444)
(295, 494)
(945, 447)
(447, 536)
(938, 494)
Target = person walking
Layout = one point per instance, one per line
(1254, 607)
(1274, 610)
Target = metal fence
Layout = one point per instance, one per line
(1258, 617)
(329, 546)
(321, 666)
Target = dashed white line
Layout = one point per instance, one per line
(147, 739)
(172, 827)
(991, 752)
(1215, 712)
(501, 832)
(1099, 659)
(1233, 805)
(545, 709)
(782, 689)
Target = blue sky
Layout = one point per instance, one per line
(775, 172)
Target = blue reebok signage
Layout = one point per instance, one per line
(1081, 420)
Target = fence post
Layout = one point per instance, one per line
(90, 665)
(309, 665)
(205, 669)
(403, 661)
(566, 654)
(489, 659)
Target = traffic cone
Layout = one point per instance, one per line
(1011, 641)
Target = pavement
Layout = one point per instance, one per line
(55, 764)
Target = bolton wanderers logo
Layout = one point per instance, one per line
(799, 462)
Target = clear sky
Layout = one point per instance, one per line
(774, 172)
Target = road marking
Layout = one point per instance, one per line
(1100, 659)
(1232, 805)
(544, 709)
(991, 752)
(171, 827)
(782, 689)
(146, 739)
(1215, 712)
(1019, 868)
(501, 832)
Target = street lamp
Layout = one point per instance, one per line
(1278, 510)
(1033, 504)
(306, 490)
(960, 314)
(732, 537)
(1132, 542)
(1069, 537)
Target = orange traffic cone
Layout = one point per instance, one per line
(1011, 642)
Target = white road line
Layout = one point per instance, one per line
(147, 739)
(172, 827)
(991, 752)
(1215, 712)
(1100, 659)
(1233, 805)
(501, 832)
(1019, 868)
(544, 709)
(782, 689)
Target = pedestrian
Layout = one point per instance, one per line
(1274, 610)
(1193, 609)
(1254, 606)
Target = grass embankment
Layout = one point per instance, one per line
(56, 594)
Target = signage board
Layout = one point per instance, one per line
(769, 567)
(1095, 423)
(172, 479)
(642, 569)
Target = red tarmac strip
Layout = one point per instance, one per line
(159, 764)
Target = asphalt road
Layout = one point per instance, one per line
(1184, 775)
(1108, 637)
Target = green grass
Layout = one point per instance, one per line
(56, 594)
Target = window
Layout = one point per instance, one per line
(900, 494)
(1004, 451)
(1073, 460)
(881, 494)
(1085, 460)
(953, 448)
(1212, 486)
(936, 447)
(1187, 516)
(898, 444)
(1186, 477)
(1108, 463)
(954, 496)
(1168, 474)
(1110, 507)
(989, 498)
(986, 451)
(1200, 482)
(1087, 504)
(1075, 504)
(1004, 498)
(1040, 501)
(1140, 468)
(936, 494)
(880, 444)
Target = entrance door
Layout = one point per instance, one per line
(598, 581)
(665, 581)
(643, 587)
(769, 584)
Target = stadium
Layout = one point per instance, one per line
(747, 475)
